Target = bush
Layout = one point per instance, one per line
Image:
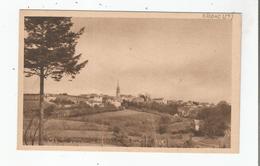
(216, 119)
(188, 144)
(49, 111)
(165, 120)
(162, 129)
(121, 137)
(149, 141)
(116, 130)
(106, 123)
(135, 134)
(176, 136)
(163, 124)
(62, 101)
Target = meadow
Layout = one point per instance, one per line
(121, 127)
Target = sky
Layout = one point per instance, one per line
(181, 59)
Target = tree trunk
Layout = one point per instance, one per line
(34, 135)
(41, 115)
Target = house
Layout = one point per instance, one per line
(116, 103)
(171, 102)
(196, 124)
(74, 99)
(97, 99)
(176, 115)
(107, 99)
(128, 98)
(67, 105)
(179, 102)
(160, 100)
(49, 98)
(94, 103)
(64, 97)
(189, 103)
(183, 111)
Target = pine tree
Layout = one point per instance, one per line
(49, 51)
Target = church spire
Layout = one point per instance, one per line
(117, 89)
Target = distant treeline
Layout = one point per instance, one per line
(171, 108)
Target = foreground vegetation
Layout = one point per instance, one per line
(134, 126)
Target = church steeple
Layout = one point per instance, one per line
(117, 89)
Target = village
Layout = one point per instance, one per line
(106, 120)
(64, 100)
(162, 100)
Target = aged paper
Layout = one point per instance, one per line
(129, 81)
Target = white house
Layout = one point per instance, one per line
(116, 103)
(197, 124)
(160, 100)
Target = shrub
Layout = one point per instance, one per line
(121, 137)
(165, 120)
(116, 129)
(216, 119)
(162, 129)
(49, 110)
(188, 144)
(150, 141)
(163, 124)
(106, 123)
(135, 134)
(176, 136)
(62, 101)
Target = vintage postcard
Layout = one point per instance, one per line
(129, 81)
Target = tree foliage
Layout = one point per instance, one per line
(216, 119)
(49, 47)
(145, 96)
(49, 51)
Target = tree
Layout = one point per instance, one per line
(145, 96)
(49, 51)
(216, 119)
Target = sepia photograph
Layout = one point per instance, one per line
(129, 81)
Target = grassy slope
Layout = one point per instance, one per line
(127, 120)
(135, 124)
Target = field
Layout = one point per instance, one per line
(128, 127)
(132, 127)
